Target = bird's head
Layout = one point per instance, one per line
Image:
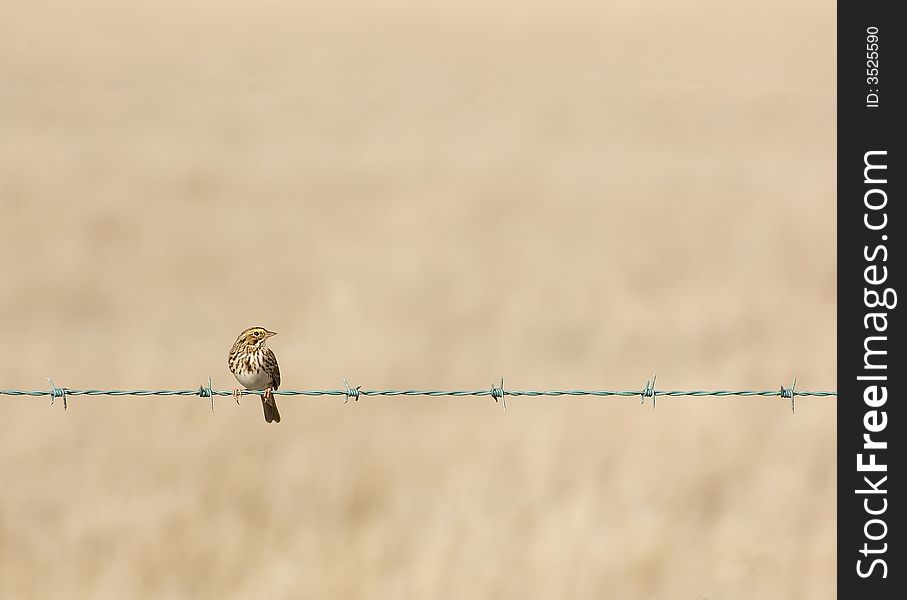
(254, 337)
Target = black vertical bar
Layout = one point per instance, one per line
(871, 227)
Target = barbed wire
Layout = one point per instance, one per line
(496, 392)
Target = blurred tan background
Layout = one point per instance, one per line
(568, 195)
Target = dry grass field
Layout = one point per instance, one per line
(566, 194)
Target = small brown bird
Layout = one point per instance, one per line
(255, 367)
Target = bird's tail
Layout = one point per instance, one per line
(269, 406)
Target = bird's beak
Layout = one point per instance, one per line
(271, 334)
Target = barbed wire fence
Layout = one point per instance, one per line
(497, 392)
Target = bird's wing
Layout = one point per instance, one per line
(273, 368)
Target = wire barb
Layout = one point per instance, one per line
(351, 392)
(207, 392)
(498, 393)
(56, 392)
(649, 391)
(790, 393)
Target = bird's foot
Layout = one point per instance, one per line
(237, 394)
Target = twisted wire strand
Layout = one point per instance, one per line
(497, 392)
(434, 393)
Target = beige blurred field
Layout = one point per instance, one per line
(418, 195)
